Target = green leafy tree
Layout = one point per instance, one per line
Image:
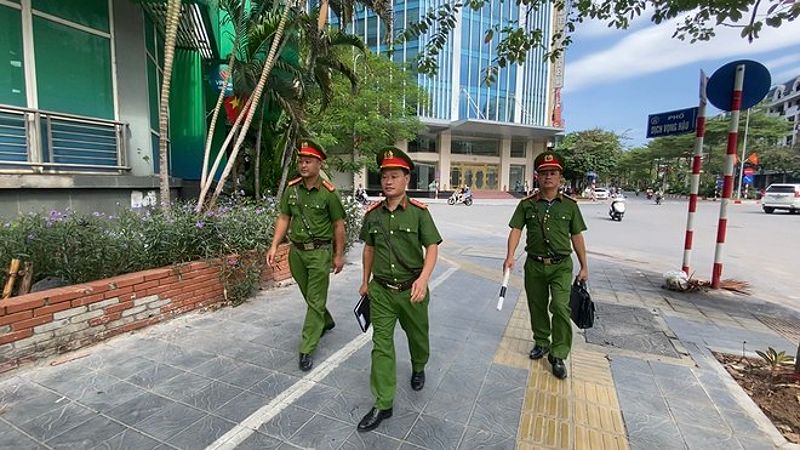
(590, 150)
(511, 40)
(783, 161)
(356, 125)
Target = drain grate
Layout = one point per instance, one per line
(788, 328)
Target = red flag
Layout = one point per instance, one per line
(753, 159)
(234, 106)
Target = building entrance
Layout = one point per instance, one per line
(476, 176)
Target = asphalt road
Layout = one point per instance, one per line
(762, 249)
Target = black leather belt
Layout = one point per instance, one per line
(312, 245)
(396, 286)
(547, 260)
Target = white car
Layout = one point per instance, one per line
(781, 196)
(601, 193)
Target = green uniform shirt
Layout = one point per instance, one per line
(320, 207)
(409, 228)
(550, 225)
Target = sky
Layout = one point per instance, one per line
(615, 78)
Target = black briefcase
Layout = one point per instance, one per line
(362, 313)
(582, 306)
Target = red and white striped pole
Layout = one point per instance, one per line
(697, 163)
(727, 186)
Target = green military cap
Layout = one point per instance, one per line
(311, 148)
(394, 158)
(548, 160)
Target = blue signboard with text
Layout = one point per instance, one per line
(674, 122)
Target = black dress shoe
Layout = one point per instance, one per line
(559, 369)
(538, 351)
(328, 327)
(374, 418)
(418, 380)
(306, 362)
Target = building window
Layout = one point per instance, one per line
(12, 77)
(516, 178)
(73, 69)
(476, 146)
(518, 149)
(422, 144)
(422, 176)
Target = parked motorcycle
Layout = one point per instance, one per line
(617, 209)
(458, 198)
(361, 197)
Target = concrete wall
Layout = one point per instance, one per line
(132, 84)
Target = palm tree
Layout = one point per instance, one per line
(173, 17)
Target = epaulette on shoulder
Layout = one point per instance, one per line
(534, 196)
(569, 198)
(373, 207)
(295, 181)
(418, 203)
(328, 185)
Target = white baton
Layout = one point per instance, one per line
(503, 288)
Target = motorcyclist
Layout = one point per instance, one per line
(361, 195)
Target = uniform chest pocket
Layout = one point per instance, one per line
(531, 219)
(405, 230)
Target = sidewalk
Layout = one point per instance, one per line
(643, 378)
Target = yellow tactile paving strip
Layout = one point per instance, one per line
(581, 412)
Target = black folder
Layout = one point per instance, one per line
(362, 313)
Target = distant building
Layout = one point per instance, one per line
(784, 101)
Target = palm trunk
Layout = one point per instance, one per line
(323, 15)
(257, 177)
(268, 64)
(286, 161)
(173, 17)
(210, 178)
(215, 115)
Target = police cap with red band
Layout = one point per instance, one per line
(548, 160)
(393, 158)
(310, 148)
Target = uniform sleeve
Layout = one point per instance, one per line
(283, 206)
(365, 235)
(518, 219)
(428, 233)
(335, 208)
(577, 225)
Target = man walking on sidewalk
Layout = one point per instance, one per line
(395, 232)
(313, 214)
(554, 224)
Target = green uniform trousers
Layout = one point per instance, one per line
(386, 307)
(311, 269)
(550, 285)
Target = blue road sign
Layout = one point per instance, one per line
(747, 179)
(757, 81)
(673, 122)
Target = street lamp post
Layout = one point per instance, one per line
(744, 152)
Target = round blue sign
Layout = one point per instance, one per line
(757, 81)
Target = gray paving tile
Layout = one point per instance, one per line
(129, 439)
(681, 388)
(348, 407)
(258, 441)
(435, 433)
(274, 384)
(698, 438)
(241, 406)
(11, 438)
(286, 423)
(246, 375)
(751, 443)
(399, 424)
(139, 408)
(202, 433)
(695, 412)
(639, 383)
(213, 396)
(125, 365)
(186, 359)
(629, 365)
(217, 367)
(317, 397)
(57, 421)
(182, 386)
(169, 421)
(655, 435)
(495, 417)
(347, 380)
(154, 375)
(510, 396)
(87, 435)
(634, 403)
(509, 375)
(87, 383)
(450, 407)
(741, 423)
(322, 433)
(370, 441)
(462, 382)
(59, 378)
(103, 399)
(23, 401)
(480, 439)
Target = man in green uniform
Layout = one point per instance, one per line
(313, 214)
(554, 224)
(395, 232)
